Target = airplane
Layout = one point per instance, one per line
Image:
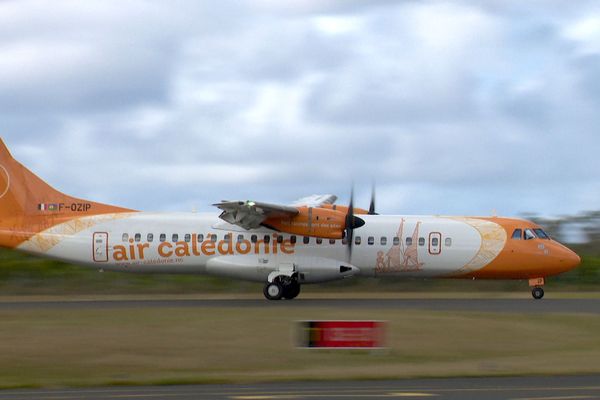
(283, 246)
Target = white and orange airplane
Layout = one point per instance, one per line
(284, 246)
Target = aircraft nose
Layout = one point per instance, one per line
(573, 259)
(569, 259)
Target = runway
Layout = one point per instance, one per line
(522, 388)
(544, 306)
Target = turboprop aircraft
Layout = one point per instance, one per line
(284, 246)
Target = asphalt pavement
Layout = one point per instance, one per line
(526, 305)
(521, 388)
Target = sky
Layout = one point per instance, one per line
(455, 108)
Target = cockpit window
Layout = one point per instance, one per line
(529, 234)
(517, 234)
(541, 234)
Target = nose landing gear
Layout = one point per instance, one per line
(537, 292)
(536, 288)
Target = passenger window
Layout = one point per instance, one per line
(240, 238)
(267, 239)
(200, 237)
(138, 237)
(541, 234)
(421, 241)
(409, 241)
(434, 242)
(306, 240)
(213, 238)
(370, 240)
(253, 238)
(125, 237)
(293, 239)
(396, 240)
(163, 237)
(227, 237)
(517, 234)
(279, 239)
(150, 238)
(175, 238)
(383, 241)
(188, 237)
(448, 242)
(332, 241)
(529, 234)
(357, 240)
(319, 240)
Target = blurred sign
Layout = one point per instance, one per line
(341, 334)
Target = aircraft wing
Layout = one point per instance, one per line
(316, 200)
(251, 214)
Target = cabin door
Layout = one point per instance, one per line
(100, 247)
(435, 243)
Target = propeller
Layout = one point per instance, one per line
(352, 222)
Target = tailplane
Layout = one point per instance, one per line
(28, 205)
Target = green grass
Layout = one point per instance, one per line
(54, 347)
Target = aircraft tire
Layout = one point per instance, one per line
(537, 293)
(291, 291)
(273, 291)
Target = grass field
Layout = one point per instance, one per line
(62, 347)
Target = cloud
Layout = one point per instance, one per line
(452, 107)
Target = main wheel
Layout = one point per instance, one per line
(291, 291)
(273, 291)
(537, 293)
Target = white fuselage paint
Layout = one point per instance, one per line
(459, 243)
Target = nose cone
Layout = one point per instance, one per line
(573, 260)
(568, 259)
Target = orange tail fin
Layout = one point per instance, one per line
(28, 205)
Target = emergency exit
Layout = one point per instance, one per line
(435, 243)
(100, 247)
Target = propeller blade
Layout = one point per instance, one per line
(372, 205)
(350, 224)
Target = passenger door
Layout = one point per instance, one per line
(100, 247)
(435, 243)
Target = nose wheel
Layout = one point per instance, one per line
(537, 293)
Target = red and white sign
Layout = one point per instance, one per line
(342, 334)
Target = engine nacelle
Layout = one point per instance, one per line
(310, 221)
(344, 209)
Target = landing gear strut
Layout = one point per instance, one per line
(282, 287)
(537, 292)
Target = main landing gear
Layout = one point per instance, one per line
(282, 287)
